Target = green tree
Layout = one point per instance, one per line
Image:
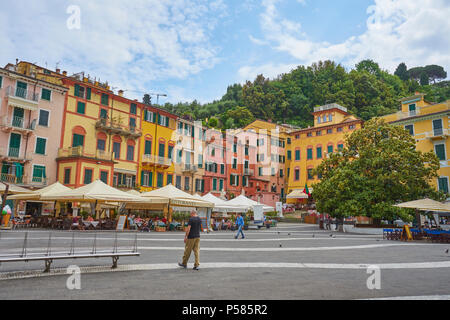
(378, 168)
(402, 71)
(369, 66)
(213, 122)
(435, 72)
(424, 80)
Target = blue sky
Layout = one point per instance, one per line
(194, 49)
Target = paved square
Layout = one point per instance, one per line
(292, 261)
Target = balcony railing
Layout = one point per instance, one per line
(190, 168)
(22, 93)
(437, 134)
(81, 152)
(118, 128)
(14, 154)
(248, 172)
(156, 160)
(17, 123)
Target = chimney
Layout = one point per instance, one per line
(121, 93)
(58, 70)
(64, 73)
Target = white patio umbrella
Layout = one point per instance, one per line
(243, 201)
(178, 198)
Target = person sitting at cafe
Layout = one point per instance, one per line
(89, 218)
(76, 223)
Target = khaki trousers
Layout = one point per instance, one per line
(192, 244)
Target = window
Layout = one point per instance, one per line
(78, 140)
(200, 161)
(309, 134)
(281, 173)
(440, 151)
(330, 117)
(160, 180)
(412, 109)
(148, 147)
(234, 163)
(213, 152)
(170, 152)
(245, 181)
(43, 117)
(130, 153)
(101, 144)
(319, 119)
(104, 176)
(220, 184)
(234, 148)
(81, 107)
(297, 136)
(67, 176)
(79, 91)
(162, 149)
(163, 121)
(324, 118)
(186, 183)
(179, 155)
(437, 127)
(169, 179)
(329, 131)
(40, 146)
(38, 174)
(297, 155)
(149, 116)
(310, 174)
(318, 133)
(132, 122)
(339, 129)
(178, 182)
(103, 114)
(146, 178)
(88, 93)
(116, 150)
(87, 176)
(1, 81)
(289, 155)
(246, 150)
(288, 140)
(340, 147)
(309, 154)
(105, 99)
(330, 149)
(46, 94)
(351, 127)
(319, 152)
(260, 171)
(443, 184)
(222, 169)
(214, 184)
(297, 174)
(410, 129)
(133, 108)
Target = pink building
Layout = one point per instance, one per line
(215, 176)
(31, 112)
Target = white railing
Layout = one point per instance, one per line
(22, 93)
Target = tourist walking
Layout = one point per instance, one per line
(192, 241)
(240, 224)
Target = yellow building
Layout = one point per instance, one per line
(310, 146)
(428, 123)
(157, 147)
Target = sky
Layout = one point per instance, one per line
(193, 49)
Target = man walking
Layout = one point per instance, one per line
(240, 224)
(192, 241)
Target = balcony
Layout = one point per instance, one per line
(8, 124)
(115, 127)
(80, 152)
(437, 134)
(149, 159)
(13, 154)
(22, 98)
(189, 168)
(249, 172)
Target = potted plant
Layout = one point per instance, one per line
(246, 221)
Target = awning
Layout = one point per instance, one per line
(47, 191)
(177, 197)
(425, 205)
(297, 194)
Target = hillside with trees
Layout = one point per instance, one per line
(366, 91)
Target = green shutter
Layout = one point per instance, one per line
(150, 179)
(88, 93)
(155, 116)
(142, 178)
(148, 147)
(145, 115)
(440, 151)
(330, 149)
(76, 90)
(167, 121)
(81, 107)
(45, 94)
(40, 146)
(78, 140)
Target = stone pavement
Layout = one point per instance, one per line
(292, 261)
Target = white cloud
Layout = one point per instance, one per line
(128, 43)
(414, 32)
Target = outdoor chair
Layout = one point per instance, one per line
(67, 224)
